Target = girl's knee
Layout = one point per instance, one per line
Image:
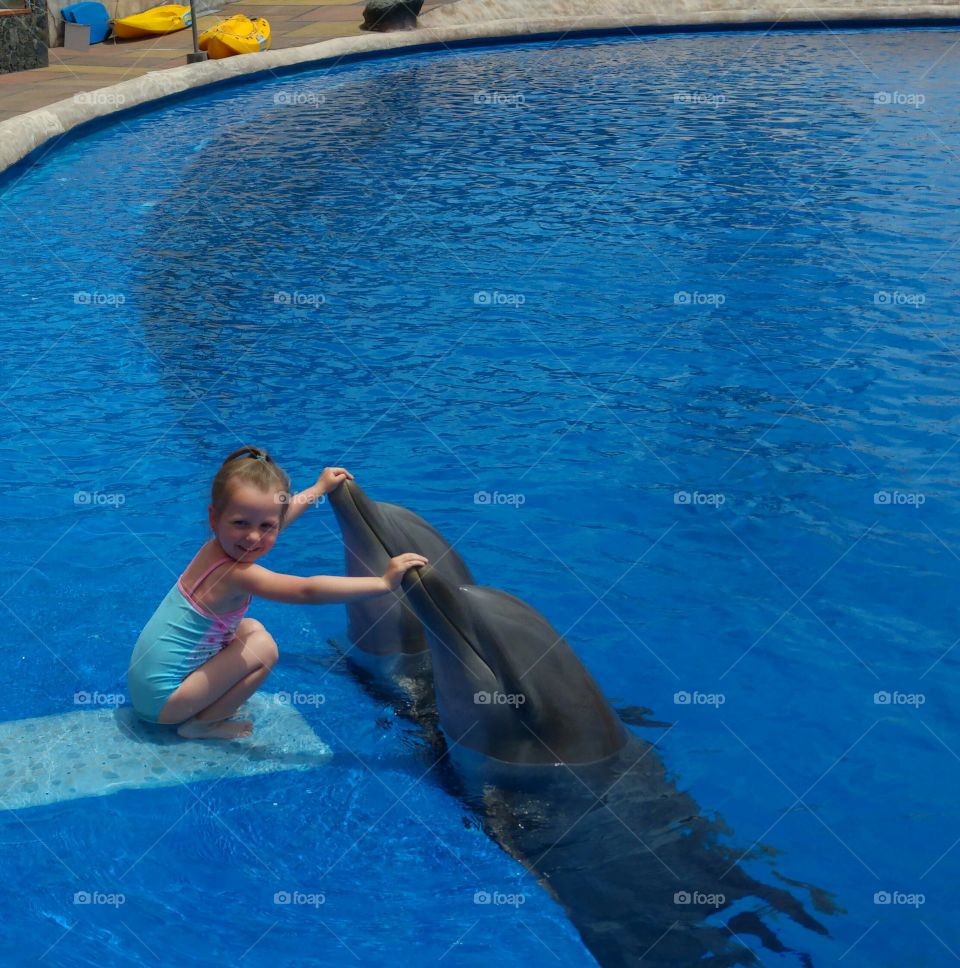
(247, 626)
(267, 650)
(263, 647)
(256, 640)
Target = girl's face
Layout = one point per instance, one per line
(248, 527)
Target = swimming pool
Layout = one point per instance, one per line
(659, 332)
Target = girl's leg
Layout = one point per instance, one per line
(250, 655)
(208, 721)
(234, 698)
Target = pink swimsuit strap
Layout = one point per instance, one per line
(208, 572)
(199, 582)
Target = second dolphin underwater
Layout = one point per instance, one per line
(557, 779)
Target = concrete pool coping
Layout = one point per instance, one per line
(23, 139)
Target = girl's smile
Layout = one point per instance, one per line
(248, 527)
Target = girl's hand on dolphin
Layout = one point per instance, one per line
(399, 566)
(332, 478)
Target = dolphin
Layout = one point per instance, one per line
(553, 774)
(387, 640)
(586, 805)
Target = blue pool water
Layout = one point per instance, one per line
(679, 309)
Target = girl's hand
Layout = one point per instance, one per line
(331, 479)
(399, 566)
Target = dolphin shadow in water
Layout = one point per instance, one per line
(557, 779)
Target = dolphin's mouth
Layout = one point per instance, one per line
(414, 576)
(356, 507)
(438, 608)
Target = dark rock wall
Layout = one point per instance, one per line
(23, 37)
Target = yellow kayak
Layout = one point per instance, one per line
(235, 35)
(158, 20)
(230, 23)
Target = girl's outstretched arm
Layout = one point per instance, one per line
(328, 481)
(320, 589)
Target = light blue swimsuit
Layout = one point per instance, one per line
(177, 640)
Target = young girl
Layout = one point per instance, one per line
(198, 658)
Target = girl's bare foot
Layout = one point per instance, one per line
(224, 729)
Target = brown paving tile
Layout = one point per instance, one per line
(145, 56)
(294, 23)
(32, 102)
(58, 90)
(101, 60)
(90, 74)
(272, 12)
(332, 14)
(313, 33)
(19, 81)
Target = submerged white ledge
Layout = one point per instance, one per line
(50, 759)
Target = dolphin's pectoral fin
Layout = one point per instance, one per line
(637, 716)
(740, 881)
(747, 922)
(822, 900)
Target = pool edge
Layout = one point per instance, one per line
(26, 138)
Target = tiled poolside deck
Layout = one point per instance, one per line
(293, 24)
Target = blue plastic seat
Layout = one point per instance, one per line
(91, 13)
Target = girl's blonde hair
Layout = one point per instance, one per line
(254, 466)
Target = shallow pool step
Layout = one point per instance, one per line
(93, 753)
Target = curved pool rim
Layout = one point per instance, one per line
(27, 138)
